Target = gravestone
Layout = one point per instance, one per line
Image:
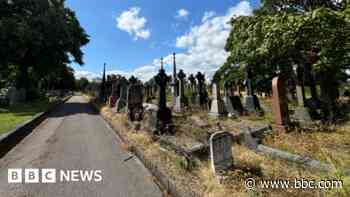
(174, 83)
(135, 100)
(193, 89)
(164, 116)
(115, 91)
(121, 102)
(217, 107)
(181, 99)
(202, 96)
(251, 100)
(280, 104)
(228, 98)
(221, 152)
(301, 112)
(15, 96)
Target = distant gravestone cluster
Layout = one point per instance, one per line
(190, 92)
(149, 101)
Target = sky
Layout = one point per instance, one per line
(131, 36)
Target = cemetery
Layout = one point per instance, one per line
(245, 93)
(209, 137)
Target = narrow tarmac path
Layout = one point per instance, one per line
(74, 137)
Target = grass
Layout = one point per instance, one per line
(14, 115)
(330, 147)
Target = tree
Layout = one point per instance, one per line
(82, 83)
(40, 37)
(282, 33)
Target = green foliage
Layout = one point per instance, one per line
(275, 39)
(82, 83)
(39, 37)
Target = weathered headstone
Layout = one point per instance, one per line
(181, 99)
(280, 104)
(164, 116)
(228, 100)
(251, 100)
(135, 101)
(301, 112)
(221, 152)
(217, 107)
(121, 102)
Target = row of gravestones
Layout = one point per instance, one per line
(127, 96)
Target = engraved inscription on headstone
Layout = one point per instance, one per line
(221, 151)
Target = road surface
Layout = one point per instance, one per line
(75, 138)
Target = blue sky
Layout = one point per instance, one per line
(130, 36)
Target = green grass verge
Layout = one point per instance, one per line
(12, 116)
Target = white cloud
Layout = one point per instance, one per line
(182, 14)
(135, 25)
(87, 74)
(204, 45)
(208, 15)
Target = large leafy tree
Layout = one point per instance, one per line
(39, 36)
(282, 33)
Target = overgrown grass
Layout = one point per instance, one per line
(12, 116)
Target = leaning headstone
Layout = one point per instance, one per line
(181, 100)
(135, 101)
(217, 107)
(121, 102)
(221, 152)
(280, 104)
(251, 100)
(164, 116)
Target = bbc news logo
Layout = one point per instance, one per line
(50, 175)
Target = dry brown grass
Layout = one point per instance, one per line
(330, 147)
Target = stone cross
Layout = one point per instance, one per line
(221, 152)
(162, 80)
(217, 107)
(121, 102)
(164, 115)
(181, 99)
(135, 101)
(280, 103)
(200, 99)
